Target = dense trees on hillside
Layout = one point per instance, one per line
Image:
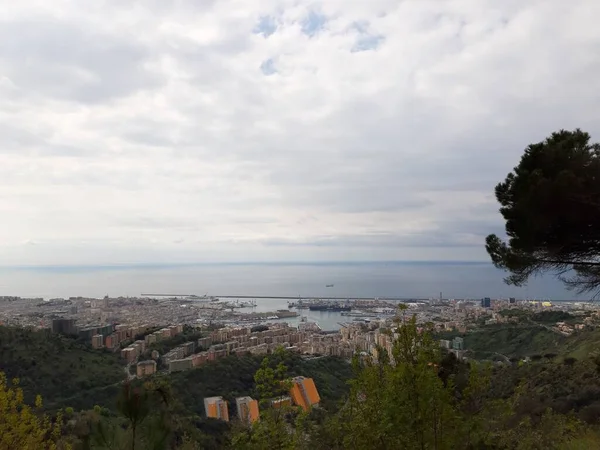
(63, 370)
(551, 205)
(414, 397)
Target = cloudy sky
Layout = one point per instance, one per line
(223, 130)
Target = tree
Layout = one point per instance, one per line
(143, 420)
(281, 427)
(20, 426)
(399, 399)
(551, 205)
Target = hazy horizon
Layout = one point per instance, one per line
(423, 279)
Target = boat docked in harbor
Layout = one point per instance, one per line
(329, 307)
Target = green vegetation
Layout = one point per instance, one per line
(233, 377)
(64, 371)
(566, 385)
(517, 313)
(514, 341)
(415, 397)
(20, 424)
(550, 203)
(551, 317)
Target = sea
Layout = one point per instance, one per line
(398, 279)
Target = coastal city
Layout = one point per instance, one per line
(132, 325)
(174, 334)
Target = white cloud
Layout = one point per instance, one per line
(230, 130)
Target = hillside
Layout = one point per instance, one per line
(573, 386)
(64, 371)
(514, 341)
(233, 377)
(67, 372)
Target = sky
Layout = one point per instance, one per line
(185, 131)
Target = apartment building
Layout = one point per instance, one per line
(304, 393)
(129, 354)
(178, 365)
(97, 341)
(247, 409)
(216, 408)
(145, 368)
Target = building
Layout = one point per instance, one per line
(486, 302)
(145, 368)
(247, 409)
(216, 408)
(112, 341)
(188, 348)
(178, 365)
(512, 300)
(458, 343)
(282, 401)
(88, 332)
(304, 393)
(64, 326)
(205, 342)
(97, 341)
(129, 354)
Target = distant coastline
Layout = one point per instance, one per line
(175, 265)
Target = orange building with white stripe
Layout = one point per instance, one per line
(247, 409)
(304, 393)
(216, 408)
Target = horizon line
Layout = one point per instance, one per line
(168, 265)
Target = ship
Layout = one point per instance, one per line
(329, 285)
(334, 308)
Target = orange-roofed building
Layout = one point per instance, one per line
(304, 393)
(216, 408)
(247, 409)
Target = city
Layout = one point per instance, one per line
(131, 325)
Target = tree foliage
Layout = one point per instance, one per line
(283, 427)
(143, 420)
(21, 426)
(551, 205)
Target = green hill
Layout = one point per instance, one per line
(64, 371)
(514, 341)
(564, 387)
(68, 372)
(233, 377)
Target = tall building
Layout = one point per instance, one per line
(128, 353)
(247, 409)
(512, 300)
(304, 393)
(145, 368)
(216, 408)
(97, 341)
(486, 302)
(64, 326)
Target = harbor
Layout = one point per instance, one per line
(319, 312)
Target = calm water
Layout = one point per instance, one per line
(421, 280)
(327, 320)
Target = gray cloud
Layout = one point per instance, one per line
(68, 60)
(279, 130)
